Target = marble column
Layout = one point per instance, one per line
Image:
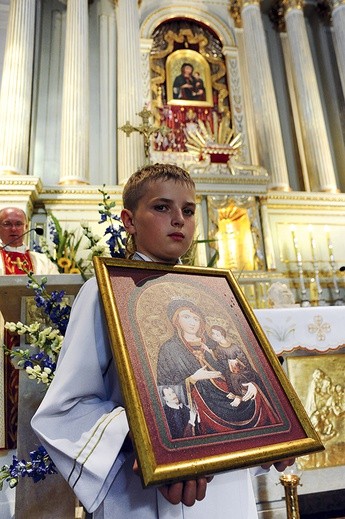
(266, 117)
(74, 154)
(16, 88)
(338, 19)
(129, 89)
(316, 142)
(108, 119)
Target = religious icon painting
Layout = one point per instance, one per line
(203, 389)
(188, 79)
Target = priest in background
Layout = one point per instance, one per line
(15, 256)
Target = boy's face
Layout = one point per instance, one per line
(163, 224)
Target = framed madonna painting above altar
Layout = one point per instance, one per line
(204, 392)
(188, 78)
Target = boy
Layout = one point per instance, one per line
(82, 421)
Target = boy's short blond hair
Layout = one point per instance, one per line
(136, 184)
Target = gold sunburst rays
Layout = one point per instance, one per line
(201, 140)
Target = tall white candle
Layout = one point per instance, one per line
(329, 244)
(295, 244)
(312, 243)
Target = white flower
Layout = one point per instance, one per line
(12, 327)
(34, 327)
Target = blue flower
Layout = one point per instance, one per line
(37, 468)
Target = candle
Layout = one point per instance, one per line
(329, 244)
(295, 244)
(312, 243)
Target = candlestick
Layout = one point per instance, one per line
(338, 300)
(320, 301)
(304, 299)
(290, 483)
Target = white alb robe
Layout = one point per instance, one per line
(82, 423)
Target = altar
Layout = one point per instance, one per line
(310, 343)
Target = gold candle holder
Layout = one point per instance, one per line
(290, 483)
(304, 299)
(338, 300)
(320, 300)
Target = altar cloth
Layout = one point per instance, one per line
(318, 329)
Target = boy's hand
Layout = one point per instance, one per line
(186, 492)
(279, 465)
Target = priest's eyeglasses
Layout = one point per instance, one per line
(7, 225)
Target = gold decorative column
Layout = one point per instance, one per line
(16, 88)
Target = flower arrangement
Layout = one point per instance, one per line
(65, 247)
(39, 362)
(62, 248)
(45, 341)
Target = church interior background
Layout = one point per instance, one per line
(89, 93)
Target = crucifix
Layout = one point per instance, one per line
(19, 263)
(145, 129)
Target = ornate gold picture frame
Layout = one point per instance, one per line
(204, 391)
(188, 79)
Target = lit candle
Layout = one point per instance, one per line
(312, 243)
(329, 243)
(295, 244)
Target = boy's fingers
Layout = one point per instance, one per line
(279, 465)
(189, 492)
(201, 486)
(186, 492)
(282, 465)
(172, 493)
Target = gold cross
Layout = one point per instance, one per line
(145, 129)
(20, 264)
